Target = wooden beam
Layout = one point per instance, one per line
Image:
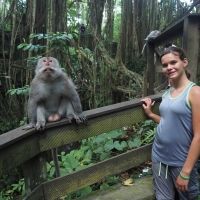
(65, 134)
(35, 172)
(18, 153)
(74, 181)
(191, 42)
(28, 144)
(150, 69)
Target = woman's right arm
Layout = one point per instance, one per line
(147, 104)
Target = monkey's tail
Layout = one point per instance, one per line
(143, 48)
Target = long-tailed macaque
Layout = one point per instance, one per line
(151, 36)
(52, 96)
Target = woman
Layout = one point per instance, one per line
(176, 147)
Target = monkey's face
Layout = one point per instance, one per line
(48, 67)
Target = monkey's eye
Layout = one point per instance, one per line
(50, 61)
(44, 61)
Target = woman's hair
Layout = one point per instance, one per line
(177, 51)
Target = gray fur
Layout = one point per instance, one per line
(151, 36)
(52, 92)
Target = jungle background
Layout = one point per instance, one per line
(105, 62)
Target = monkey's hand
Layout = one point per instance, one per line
(40, 125)
(82, 117)
(79, 118)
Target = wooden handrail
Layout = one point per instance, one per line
(27, 148)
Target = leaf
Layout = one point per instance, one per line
(78, 154)
(137, 142)
(118, 146)
(71, 163)
(104, 156)
(21, 45)
(109, 145)
(128, 182)
(32, 48)
(63, 171)
(115, 133)
(104, 186)
(52, 171)
(88, 155)
(36, 48)
(33, 35)
(100, 138)
(99, 150)
(40, 36)
(13, 91)
(27, 47)
(48, 167)
(124, 144)
(18, 91)
(86, 190)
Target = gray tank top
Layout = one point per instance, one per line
(174, 132)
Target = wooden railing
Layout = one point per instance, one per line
(27, 149)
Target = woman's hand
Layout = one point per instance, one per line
(181, 184)
(147, 104)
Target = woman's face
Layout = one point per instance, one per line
(173, 67)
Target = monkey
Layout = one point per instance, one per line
(151, 36)
(52, 96)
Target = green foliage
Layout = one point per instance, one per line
(99, 148)
(91, 151)
(6, 126)
(23, 121)
(104, 146)
(19, 187)
(58, 42)
(19, 91)
(12, 185)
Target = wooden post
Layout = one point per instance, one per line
(191, 37)
(35, 172)
(150, 74)
(54, 152)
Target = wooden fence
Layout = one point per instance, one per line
(27, 149)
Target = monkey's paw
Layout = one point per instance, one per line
(79, 118)
(40, 125)
(83, 118)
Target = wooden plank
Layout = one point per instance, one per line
(174, 31)
(169, 35)
(65, 134)
(191, 43)
(36, 194)
(18, 153)
(14, 135)
(64, 185)
(27, 144)
(150, 69)
(35, 172)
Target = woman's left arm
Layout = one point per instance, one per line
(194, 151)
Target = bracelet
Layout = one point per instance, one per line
(184, 177)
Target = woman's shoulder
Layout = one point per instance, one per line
(194, 93)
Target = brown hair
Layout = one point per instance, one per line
(177, 51)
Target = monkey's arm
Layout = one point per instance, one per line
(32, 111)
(74, 100)
(32, 105)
